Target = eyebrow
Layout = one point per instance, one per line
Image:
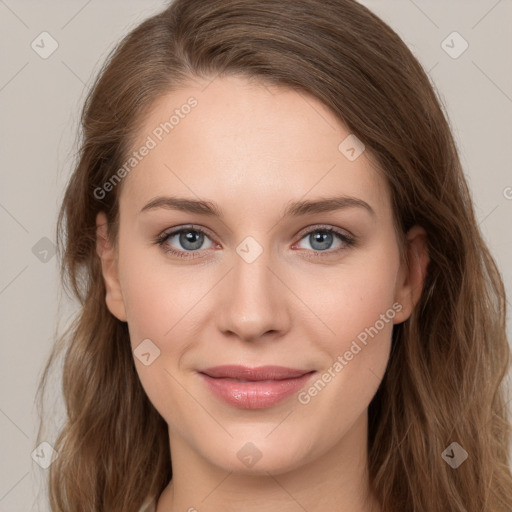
(293, 209)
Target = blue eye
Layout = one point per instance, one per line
(320, 240)
(191, 240)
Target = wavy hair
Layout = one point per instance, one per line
(445, 380)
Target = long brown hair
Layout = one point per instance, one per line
(445, 378)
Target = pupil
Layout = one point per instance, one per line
(323, 238)
(191, 237)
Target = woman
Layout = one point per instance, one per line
(283, 287)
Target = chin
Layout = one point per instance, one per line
(258, 456)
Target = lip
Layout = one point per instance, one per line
(254, 388)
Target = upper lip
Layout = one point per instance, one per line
(253, 374)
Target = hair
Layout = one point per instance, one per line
(445, 377)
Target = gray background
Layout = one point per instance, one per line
(40, 101)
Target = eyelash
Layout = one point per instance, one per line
(347, 240)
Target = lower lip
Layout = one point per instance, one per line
(255, 394)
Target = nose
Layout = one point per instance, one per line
(254, 301)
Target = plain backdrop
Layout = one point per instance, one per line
(40, 100)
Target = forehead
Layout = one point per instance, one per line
(247, 146)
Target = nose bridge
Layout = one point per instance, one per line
(252, 301)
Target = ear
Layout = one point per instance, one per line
(107, 254)
(412, 273)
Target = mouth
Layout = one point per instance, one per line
(254, 388)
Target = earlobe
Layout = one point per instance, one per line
(107, 255)
(413, 272)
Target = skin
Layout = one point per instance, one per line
(253, 149)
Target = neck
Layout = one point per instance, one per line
(335, 480)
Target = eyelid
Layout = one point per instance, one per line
(167, 233)
(164, 235)
(326, 227)
(192, 227)
(347, 238)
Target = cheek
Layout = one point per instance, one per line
(162, 302)
(157, 314)
(356, 298)
(357, 309)
(356, 347)
(339, 317)
(156, 295)
(337, 303)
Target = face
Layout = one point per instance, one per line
(254, 278)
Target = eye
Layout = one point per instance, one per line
(190, 240)
(321, 240)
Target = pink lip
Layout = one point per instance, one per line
(254, 388)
